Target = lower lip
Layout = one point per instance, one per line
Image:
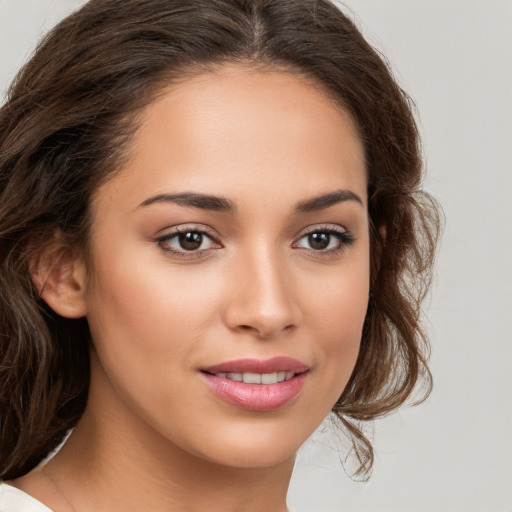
(256, 397)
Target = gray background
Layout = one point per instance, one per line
(454, 452)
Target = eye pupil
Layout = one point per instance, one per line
(319, 241)
(190, 241)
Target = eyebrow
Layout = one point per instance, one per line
(326, 200)
(221, 204)
(195, 200)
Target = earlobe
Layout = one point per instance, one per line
(58, 273)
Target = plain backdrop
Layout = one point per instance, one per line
(454, 452)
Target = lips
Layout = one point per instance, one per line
(257, 385)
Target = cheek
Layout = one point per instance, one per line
(136, 295)
(338, 311)
(146, 323)
(151, 322)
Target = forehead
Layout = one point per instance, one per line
(239, 129)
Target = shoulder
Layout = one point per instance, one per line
(15, 500)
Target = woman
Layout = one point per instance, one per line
(213, 234)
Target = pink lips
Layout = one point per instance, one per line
(257, 397)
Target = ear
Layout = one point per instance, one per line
(58, 273)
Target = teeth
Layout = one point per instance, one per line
(252, 378)
(269, 378)
(258, 378)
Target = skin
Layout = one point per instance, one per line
(153, 435)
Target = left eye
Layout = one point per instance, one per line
(187, 241)
(323, 240)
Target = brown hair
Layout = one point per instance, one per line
(70, 113)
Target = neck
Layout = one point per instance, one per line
(126, 477)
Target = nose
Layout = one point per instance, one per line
(262, 300)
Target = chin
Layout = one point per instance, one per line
(260, 445)
(255, 456)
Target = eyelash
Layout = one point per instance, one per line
(164, 241)
(345, 239)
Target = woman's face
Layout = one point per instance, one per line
(230, 268)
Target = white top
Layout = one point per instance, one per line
(14, 500)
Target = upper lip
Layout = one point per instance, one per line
(275, 364)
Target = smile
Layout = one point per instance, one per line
(257, 385)
(257, 378)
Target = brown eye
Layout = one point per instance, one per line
(187, 242)
(190, 241)
(319, 241)
(325, 241)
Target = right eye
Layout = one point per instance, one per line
(187, 242)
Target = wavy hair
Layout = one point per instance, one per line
(65, 126)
